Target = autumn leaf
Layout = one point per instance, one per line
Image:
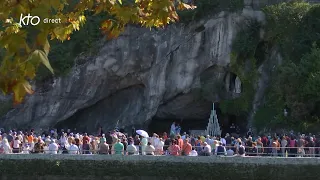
(25, 50)
(46, 47)
(42, 40)
(27, 87)
(20, 90)
(40, 56)
(30, 70)
(184, 6)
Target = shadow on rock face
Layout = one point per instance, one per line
(108, 111)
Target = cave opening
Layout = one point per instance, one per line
(232, 82)
(160, 125)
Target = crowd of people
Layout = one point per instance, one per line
(174, 144)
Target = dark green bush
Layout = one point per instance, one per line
(98, 169)
(294, 28)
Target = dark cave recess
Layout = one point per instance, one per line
(160, 125)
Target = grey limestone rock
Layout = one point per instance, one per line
(138, 76)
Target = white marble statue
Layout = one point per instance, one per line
(237, 85)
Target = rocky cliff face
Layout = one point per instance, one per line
(141, 75)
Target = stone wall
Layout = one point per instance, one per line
(83, 167)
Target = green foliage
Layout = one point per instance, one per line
(295, 85)
(242, 105)
(244, 48)
(209, 7)
(235, 5)
(264, 117)
(290, 26)
(247, 39)
(210, 89)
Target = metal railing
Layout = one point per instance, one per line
(249, 151)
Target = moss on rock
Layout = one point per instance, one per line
(244, 64)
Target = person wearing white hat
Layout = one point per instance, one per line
(53, 147)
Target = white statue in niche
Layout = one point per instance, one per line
(237, 84)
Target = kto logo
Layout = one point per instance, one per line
(25, 20)
(35, 20)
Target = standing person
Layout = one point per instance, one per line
(133, 131)
(5, 147)
(157, 143)
(228, 139)
(167, 144)
(143, 144)
(187, 148)
(248, 144)
(16, 145)
(284, 144)
(184, 136)
(173, 129)
(198, 144)
(39, 146)
(177, 129)
(118, 147)
(124, 141)
(265, 143)
(136, 142)
(131, 149)
(300, 145)
(174, 149)
(180, 141)
(206, 151)
(100, 131)
(53, 147)
(149, 149)
(220, 150)
(193, 152)
(103, 146)
(74, 149)
(292, 146)
(241, 150)
(86, 146)
(30, 138)
(165, 136)
(109, 140)
(10, 137)
(311, 146)
(260, 146)
(249, 133)
(275, 146)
